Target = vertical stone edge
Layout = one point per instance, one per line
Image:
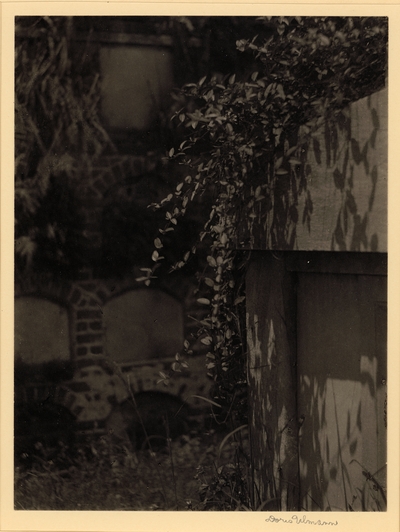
(273, 422)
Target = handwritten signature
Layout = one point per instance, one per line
(297, 520)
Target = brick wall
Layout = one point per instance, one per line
(93, 190)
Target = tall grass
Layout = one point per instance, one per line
(97, 475)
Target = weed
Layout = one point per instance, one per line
(98, 475)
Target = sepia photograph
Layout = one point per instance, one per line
(201, 264)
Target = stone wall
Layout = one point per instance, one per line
(338, 194)
(76, 325)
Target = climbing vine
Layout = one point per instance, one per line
(245, 148)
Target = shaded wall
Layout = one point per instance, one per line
(331, 328)
(273, 419)
(317, 367)
(346, 172)
(337, 196)
(341, 339)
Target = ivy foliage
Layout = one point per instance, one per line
(58, 136)
(244, 149)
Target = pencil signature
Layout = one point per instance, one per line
(300, 520)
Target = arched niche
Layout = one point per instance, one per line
(135, 83)
(41, 331)
(143, 324)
